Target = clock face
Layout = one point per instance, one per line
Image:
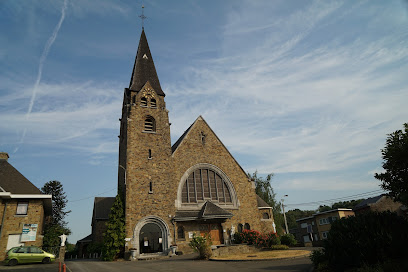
(148, 93)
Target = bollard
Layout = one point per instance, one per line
(59, 269)
(64, 268)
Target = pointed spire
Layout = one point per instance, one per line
(144, 69)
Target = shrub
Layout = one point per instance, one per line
(288, 239)
(237, 238)
(250, 236)
(318, 257)
(267, 240)
(202, 245)
(279, 247)
(369, 239)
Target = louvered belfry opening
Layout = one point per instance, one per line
(205, 184)
(150, 124)
(143, 101)
(153, 103)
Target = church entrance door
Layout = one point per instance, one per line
(214, 230)
(151, 239)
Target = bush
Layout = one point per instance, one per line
(267, 240)
(366, 239)
(279, 247)
(249, 236)
(237, 238)
(318, 257)
(288, 239)
(202, 245)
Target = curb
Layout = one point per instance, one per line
(252, 260)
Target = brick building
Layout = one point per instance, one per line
(174, 192)
(22, 209)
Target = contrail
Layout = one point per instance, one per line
(40, 66)
(44, 56)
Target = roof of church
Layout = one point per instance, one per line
(144, 69)
(208, 211)
(102, 207)
(12, 181)
(182, 137)
(86, 239)
(262, 203)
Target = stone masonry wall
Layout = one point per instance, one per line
(13, 224)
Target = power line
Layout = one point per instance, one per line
(345, 198)
(85, 198)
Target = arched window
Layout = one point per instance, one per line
(265, 215)
(143, 101)
(150, 124)
(240, 227)
(203, 184)
(180, 233)
(247, 226)
(153, 103)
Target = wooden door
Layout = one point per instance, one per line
(214, 230)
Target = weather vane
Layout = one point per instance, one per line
(142, 17)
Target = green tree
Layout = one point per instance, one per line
(55, 225)
(395, 164)
(293, 215)
(264, 190)
(114, 237)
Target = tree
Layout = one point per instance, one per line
(395, 164)
(265, 191)
(55, 225)
(293, 215)
(114, 236)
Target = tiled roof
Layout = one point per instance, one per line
(208, 211)
(262, 203)
(87, 239)
(102, 207)
(367, 202)
(12, 181)
(144, 69)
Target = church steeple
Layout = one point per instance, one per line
(144, 69)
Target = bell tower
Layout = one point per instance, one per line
(144, 170)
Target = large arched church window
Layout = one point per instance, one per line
(150, 124)
(205, 184)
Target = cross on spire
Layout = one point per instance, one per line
(142, 17)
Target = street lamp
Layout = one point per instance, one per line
(124, 170)
(284, 215)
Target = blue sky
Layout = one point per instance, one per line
(307, 90)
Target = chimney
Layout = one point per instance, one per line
(4, 156)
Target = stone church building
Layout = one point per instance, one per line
(172, 192)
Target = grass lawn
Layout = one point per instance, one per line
(266, 255)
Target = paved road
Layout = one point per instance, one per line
(178, 263)
(187, 263)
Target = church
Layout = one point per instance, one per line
(173, 192)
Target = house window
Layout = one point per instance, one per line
(323, 221)
(180, 233)
(240, 227)
(247, 226)
(150, 124)
(306, 238)
(153, 103)
(143, 102)
(334, 218)
(22, 208)
(325, 234)
(265, 216)
(309, 228)
(303, 225)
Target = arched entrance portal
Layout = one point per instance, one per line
(151, 239)
(151, 235)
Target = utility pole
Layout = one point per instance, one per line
(284, 215)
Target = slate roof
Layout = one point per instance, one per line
(208, 211)
(102, 207)
(367, 202)
(262, 203)
(87, 239)
(144, 69)
(12, 181)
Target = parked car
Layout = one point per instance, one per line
(28, 254)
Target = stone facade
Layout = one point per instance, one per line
(152, 173)
(15, 189)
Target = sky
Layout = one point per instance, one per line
(307, 90)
